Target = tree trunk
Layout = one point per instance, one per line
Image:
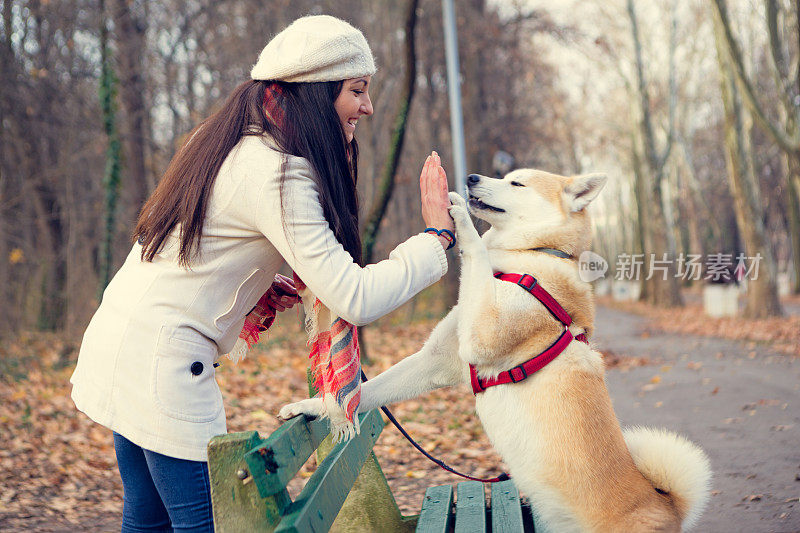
(785, 133)
(111, 178)
(639, 190)
(762, 294)
(661, 289)
(6, 88)
(664, 290)
(386, 186)
(389, 175)
(792, 164)
(130, 27)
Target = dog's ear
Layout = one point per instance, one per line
(583, 189)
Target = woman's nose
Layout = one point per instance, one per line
(366, 108)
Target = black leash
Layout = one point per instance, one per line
(442, 464)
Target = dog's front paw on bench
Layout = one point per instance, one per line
(313, 407)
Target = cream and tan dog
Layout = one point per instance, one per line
(556, 430)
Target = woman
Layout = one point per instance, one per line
(269, 178)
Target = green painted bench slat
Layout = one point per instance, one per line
(237, 504)
(506, 509)
(470, 507)
(275, 461)
(435, 516)
(319, 502)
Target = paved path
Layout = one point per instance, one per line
(740, 402)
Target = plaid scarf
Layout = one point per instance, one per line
(273, 103)
(334, 354)
(335, 363)
(258, 320)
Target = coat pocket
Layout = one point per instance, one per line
(183, 382)
(244, 298)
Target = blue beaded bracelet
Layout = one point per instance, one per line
(446, 233)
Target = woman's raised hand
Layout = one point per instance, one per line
(433, 190)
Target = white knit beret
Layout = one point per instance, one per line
(315, 48)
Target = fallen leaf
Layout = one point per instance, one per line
(260, 414)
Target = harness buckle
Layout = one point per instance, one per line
(521, 370)
(523, 282)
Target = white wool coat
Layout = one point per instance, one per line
(145, 368)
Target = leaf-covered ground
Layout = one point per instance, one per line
(58, 470)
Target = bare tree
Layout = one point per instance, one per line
(762, 294)
(130, 27)
(662, 291)
(786, 130)
(111, 177)
(388, 177)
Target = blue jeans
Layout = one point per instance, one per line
(162, 493)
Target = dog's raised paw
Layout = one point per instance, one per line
(465, 230)
(457, 199)
(458, 210)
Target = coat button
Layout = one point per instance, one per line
(197, 368)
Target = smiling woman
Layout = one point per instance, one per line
(268, 179)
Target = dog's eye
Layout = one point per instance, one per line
(517, 184)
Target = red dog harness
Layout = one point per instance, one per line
(537, 362)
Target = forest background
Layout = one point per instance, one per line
(690, 107)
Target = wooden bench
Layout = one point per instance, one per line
(249, 477)
(471, 514)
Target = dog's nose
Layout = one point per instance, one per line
(472, 179)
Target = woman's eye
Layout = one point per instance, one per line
(357, 91)
(517, 184)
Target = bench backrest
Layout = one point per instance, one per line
(249, 476)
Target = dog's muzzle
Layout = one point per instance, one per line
(475, 203)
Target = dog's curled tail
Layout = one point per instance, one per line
(675, 466)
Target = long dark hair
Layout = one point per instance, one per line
(309, 127)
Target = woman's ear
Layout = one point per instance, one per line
(581, 190)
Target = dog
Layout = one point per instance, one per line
(556, 428)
